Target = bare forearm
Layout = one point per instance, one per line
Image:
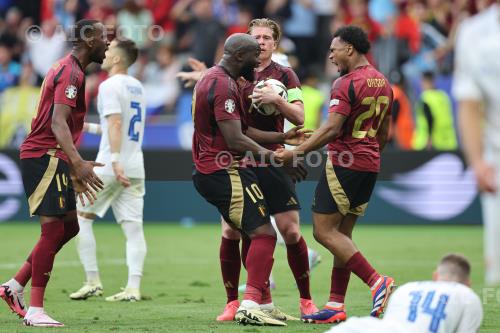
(470, 120)
(321, 137)
(245, 144)
(265, 137)
(65, 140)
(293, 112)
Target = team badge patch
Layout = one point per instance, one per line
(334, 102)
(70, 91)
(229, 106)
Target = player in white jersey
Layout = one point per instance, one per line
(445, 305)
(475, 86)
(121, 107)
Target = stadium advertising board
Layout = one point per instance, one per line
(413, 188)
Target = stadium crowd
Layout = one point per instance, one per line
(412, 43)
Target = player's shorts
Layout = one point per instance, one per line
(278, 189)
(343, 190)
(366, 325)
(237, 195)
(47, 185)
(127, 203)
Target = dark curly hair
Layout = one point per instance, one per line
(355, 36)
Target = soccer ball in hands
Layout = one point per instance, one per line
(270, 109)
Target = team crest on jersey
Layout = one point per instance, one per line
(70, 91)
(229, 106)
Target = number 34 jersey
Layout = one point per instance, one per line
(435, 307)
(364, 97)
(124, 95)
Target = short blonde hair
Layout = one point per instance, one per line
(268, 23)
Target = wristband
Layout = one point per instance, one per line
(93, 128)
(115, 157)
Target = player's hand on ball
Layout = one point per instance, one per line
(297, 135)
(265, 95)
(120, 174)
(84, 171)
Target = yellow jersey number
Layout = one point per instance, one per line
(373, 112)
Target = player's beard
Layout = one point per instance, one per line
(248, 72)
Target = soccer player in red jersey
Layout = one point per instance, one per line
(356, 132)
(221, 137)
(277, 185)
(53, 170)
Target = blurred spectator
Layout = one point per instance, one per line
(325, 11)
(382, 10)
(204, 38)
(46, 46)
(402, 123)
(160, 83)
(160, 9)
(356, 13)
(134, 22)
(11, 33)
(314, 99)
(407, 27)
(4, 5)
(65, 12)
(301, 29)
(17, 108)
(10, 71)
(241, 25)
(435, 127)
(389, 51)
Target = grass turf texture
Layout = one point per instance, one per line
(182, 284)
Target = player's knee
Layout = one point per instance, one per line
(232, 234)
(291, 235)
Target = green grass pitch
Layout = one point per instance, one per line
(182, 284)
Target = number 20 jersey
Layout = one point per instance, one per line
(435, 307)
(124, 95)
(364, 97)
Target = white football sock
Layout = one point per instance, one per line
(14, 285)
(86, 246)
(268, 306)
(136, 251)
(249, 304)
(33, 310)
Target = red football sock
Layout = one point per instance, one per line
(71, 229)
(245, 246)
(266, 294)
(24, 274)
(340, 281)
(230, 264)
(362, 268)
(43, 259)
(259, 265)
(298, 260)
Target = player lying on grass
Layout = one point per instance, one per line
(446, 304)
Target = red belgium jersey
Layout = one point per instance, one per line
(63, 84)
(364, 96)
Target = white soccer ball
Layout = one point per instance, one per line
(270, 108)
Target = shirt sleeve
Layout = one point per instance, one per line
(339, 98)
(294, 90)
(68, 85)
(227, 105)
(110, 99)
(465, 84)
(472, 314)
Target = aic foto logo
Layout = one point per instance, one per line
(11, 188)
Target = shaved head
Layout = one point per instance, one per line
(240, 43)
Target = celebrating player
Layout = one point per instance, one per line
(219, 140)
(52, 169)
(445, 305)
(475, 88)
(356, 130)
(121, 106)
